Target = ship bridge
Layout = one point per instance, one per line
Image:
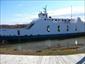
(43, 14)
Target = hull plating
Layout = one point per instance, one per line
(41, 37)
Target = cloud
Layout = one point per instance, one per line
(58, 13)
(67, 10)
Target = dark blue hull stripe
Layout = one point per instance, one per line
(37, 37)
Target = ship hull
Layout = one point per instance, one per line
(41, 37)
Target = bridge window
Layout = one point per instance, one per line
(76, 28)
(49, 16)
(55, 19)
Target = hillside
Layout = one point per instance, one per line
(13, 26)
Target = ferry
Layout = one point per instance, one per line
(45, 27)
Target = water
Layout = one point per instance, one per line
(40, 45)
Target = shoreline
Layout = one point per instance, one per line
(47, 47)
(48, 51)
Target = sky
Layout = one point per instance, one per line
(24, 11)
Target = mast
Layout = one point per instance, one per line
(44, 14)
(45, 10)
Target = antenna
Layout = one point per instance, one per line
(71, 12)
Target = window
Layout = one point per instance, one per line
(55, 19)
(45, 19)
(30, 25)
(18, 32)
(75, 29)
(49, 16)
(65, 20)
(68, 19)
(43, 14)
(48, 28)
(59, 19)
(52, 19)
(58, 28)
(67, 28)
